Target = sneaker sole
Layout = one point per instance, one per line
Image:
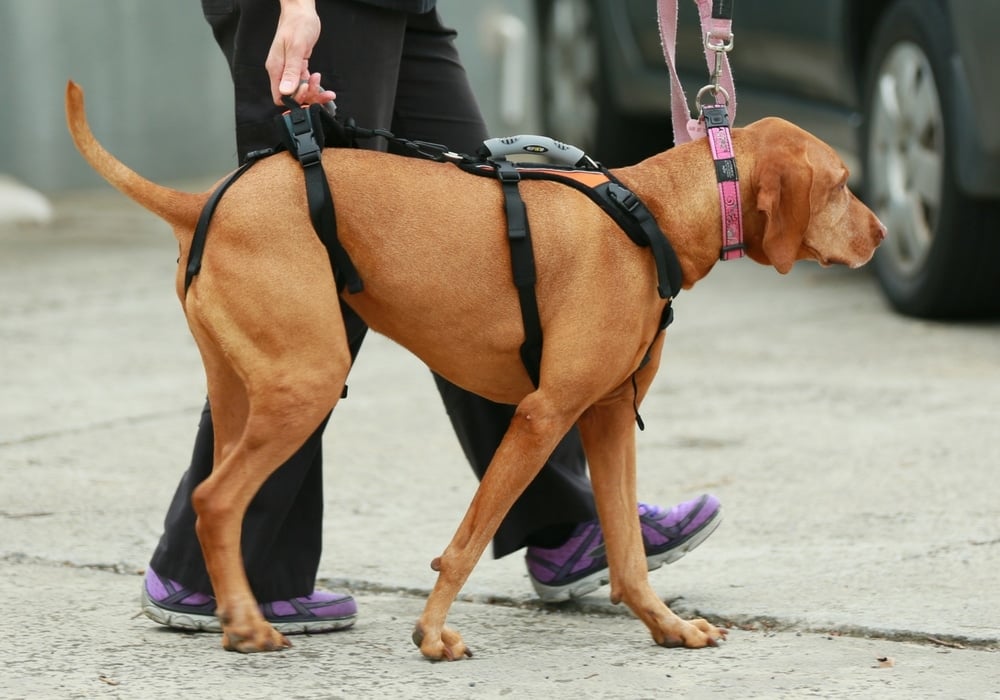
(210, 623)
(589, 584)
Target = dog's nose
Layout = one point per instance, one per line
(882, 230)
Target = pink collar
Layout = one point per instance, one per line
(720, 139)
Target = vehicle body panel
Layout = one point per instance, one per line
(804, 61)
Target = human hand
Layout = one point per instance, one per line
(287, 61)
(309, 91)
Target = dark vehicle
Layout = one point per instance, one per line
(906, 90)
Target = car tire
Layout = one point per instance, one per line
(577, 103)
(939, 259)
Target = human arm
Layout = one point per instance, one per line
(287, 61)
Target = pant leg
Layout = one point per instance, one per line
(434, 102)
(282, 529)
(426, 95)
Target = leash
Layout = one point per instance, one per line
(716, 27)
(715, 118)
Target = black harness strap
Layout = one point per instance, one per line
(668, 268)
(304, 139)
(305, 146)
(635, 219)
(616, 200)
(522, 262)
(201, 230)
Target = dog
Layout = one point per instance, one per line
(429, 242)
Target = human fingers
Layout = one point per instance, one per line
(311, 92)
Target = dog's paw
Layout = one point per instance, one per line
(264, 638)
(692, 634)
(448, 646)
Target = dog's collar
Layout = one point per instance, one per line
(720, 139)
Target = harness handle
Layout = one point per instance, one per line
(534, 145)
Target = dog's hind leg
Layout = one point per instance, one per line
(534, 431)
(608, 434)
(265, 405)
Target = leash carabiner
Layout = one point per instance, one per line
(720, 45)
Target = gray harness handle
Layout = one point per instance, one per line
(533, 145)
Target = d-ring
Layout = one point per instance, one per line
(715, 90)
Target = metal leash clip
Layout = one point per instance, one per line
(721, 46)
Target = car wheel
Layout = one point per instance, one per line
(938, 260)
(577, 103)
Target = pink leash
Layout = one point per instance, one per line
(715, 119)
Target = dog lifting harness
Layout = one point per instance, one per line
(305, 132)
(305, 138)
(607, 192)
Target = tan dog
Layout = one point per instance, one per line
(430, 244)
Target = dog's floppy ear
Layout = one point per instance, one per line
(784, 186)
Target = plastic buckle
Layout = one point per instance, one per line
(506, 171)
(623, 197)
(298, 121)
(715, 116)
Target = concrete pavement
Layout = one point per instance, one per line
(854, 451)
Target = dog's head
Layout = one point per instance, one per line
(807, 211)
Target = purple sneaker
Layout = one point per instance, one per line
(580, 565)
(170, 604)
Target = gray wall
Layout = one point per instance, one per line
(158, 90)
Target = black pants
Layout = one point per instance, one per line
(400, 71)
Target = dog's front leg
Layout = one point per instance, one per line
(534, 431)
(608, 434)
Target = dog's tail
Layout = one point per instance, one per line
(175, 207)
